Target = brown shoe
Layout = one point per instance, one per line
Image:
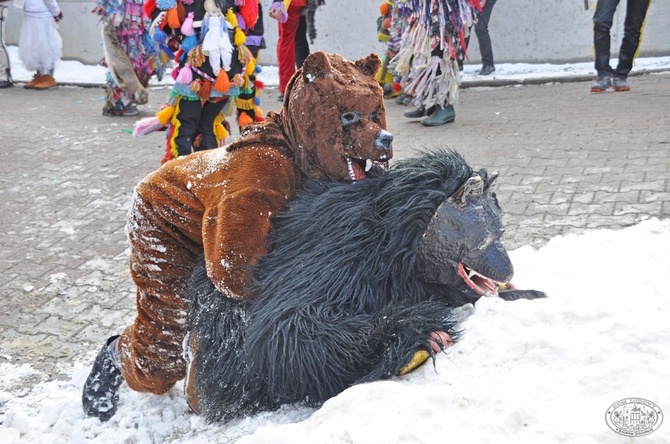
(36, 79)
(47, 82)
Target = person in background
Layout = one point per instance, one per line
(130, 26)
(636, 11)
(214, 67)
(5, 71)
(427, 62)
(484, 40)
(296, 21)
(40, 45)
(249, 100)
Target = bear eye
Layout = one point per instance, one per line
(374, 116)
(350, 117)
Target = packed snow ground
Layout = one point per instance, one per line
(542, 371)
(73, 72)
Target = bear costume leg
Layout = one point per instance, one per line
(151, 348)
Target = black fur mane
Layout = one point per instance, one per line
(337, 300)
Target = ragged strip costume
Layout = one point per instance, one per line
(215, 67)
(131, 56)
(433, 39)
(219, 204)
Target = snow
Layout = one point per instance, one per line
(541, 371)
(74, 72)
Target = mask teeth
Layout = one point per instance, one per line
(368, 165)
(350, 168)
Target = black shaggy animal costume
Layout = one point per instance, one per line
(357, 277)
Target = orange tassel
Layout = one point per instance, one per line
(222, 83)
(244, 119)
(173, 18)
(205, 89)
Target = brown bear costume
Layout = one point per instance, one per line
(220, 202)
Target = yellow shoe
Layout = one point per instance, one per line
(36, 79)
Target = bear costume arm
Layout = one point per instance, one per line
(237, 216)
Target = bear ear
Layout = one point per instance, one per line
(369, 65)
(316, 65)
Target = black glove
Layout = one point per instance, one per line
(58, 17)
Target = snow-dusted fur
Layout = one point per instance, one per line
(120, 66)
(338, 298)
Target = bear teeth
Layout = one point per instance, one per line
(368, 165)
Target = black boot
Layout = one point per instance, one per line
(419, 112)
(100, 397)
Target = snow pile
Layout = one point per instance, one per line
(541, 371)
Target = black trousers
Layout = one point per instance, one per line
(482, 31)
(196, 129)
(636, 11)
(301, 44)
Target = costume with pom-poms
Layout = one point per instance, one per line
(208, 39)
(248, 103)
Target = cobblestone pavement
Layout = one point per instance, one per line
(569, 161)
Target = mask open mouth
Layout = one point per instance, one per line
(477, 282)
(358, 168)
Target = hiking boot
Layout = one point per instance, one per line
(100, 395)
(440, 116)
(46, 82)
(280, 97)
(131, 109)
(602, 83)
(620, 84)
(36, 79)
(400, 99)
(486, 70)
(6, 83)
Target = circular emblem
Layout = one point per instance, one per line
(634, 417)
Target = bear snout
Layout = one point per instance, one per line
(383, 140)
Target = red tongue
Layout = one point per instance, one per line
(359, 172)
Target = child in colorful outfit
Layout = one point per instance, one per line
(209, 40)
(131, 26)
(40, 45)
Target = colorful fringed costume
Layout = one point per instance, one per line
(249, 101)
(126, 40)
(434, 35)
(215, 66)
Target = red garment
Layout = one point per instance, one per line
(286, 43)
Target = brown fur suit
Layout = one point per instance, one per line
(220, 203)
